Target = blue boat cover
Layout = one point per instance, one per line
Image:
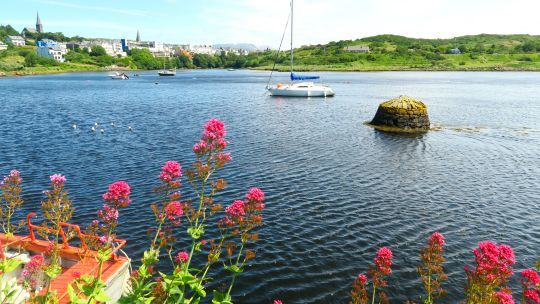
(300, 77)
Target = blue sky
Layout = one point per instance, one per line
(261, 21)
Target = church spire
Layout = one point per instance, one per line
(39, 26)
(138, 37)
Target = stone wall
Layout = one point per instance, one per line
(403, 114)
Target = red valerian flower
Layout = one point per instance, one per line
(383, 260)
(214, 129)
(174, 211)
(504, 298)
(436, 239)
(118, 191)
(57, 179)
(170, 171)
(530, 277)
(236, 209)
(278, 302)
(532, 296)
(255, 194)
(182, 257)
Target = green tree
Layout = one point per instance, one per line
(97, 50)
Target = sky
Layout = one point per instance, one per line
(262, 22)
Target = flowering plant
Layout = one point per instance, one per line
(378, 272)
(10, 201)
(187, 282)
(487, 282)
(431, 270)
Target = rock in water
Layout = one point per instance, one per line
(401, 114)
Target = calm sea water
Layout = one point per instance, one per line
(336, 189)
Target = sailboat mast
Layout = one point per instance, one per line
(292, 52)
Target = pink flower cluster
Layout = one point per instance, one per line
(118, 194)
(256, 195)
(14, 177)
(362, 279)
(236, 209)
(182, 257)
(436, 239)
(493, 262)
(57, 179)
(108, 214)
(383, 260)
(214, 129)
(530, 282)
(503, 297)
(32, 269)
(278, 302)
(173, 212)
(213, 140)
(170, 171)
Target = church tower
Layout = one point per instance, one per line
(39, 26)
(138, 39)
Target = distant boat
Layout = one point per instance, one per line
(119, 76)
(167, 72)
(230, 70)
(298, 89)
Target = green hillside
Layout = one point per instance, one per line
(391, 52)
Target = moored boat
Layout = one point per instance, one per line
(167, 72)
(298, 89)
(119, 76)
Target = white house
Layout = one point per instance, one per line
(3, 46)
(357, 49)
(15, 40)
(202, 49)
(54, 52)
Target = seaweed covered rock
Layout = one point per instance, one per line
(401, 114)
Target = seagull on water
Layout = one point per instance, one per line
(93, 129)
(129, 128)
(74, 126)
(102, 130)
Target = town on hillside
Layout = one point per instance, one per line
(57, 50)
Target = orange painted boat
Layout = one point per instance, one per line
(75, 260)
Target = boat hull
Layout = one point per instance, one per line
(301, 90)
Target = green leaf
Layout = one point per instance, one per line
(9, 265)
(196, 233)
(221, 298)
(102, 296)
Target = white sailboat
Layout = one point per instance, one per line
(299, 87)
(119, 76)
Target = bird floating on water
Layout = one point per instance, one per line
(129, 128)
(93, 129)
(102, 130)
(112, 124)
(74, 126)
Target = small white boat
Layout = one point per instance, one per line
(298, 86)
(119, 76)
(301, 89)
(167, 73)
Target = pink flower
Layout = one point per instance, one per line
(182, 257)
(200, 147)
(174, 211)
(25, 273)
(530, 277)
(223, 158)
(108, 214)
(362, 279)
(119, 192)
(504, 298)
(95, 222)
(278, 302)
(76, 275)
(493, 262)
(170, 171)
(255, 194)
(14, 177)
(236, 209)
(532, 296)
(57, 179)
(383, 260)
(104, 239)
(214, 129)
(436, 239)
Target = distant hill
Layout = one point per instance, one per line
(244, 46)
(393, 52)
